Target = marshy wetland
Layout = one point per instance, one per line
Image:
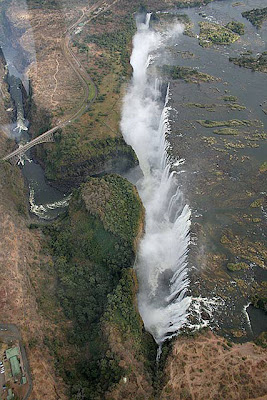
(218, 128)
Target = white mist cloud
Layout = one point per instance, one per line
(162, 256)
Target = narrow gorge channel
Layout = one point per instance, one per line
(45, 201)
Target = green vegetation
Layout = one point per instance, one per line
(257, 203)
(237, 27)
(121, 312)
(262, 340)
(208, 107)
(116, 42)
(211, 33)
(238, 3)
(230, 98)
(256, 16)
(188, 74)
(235, 106)
(263, 167)
(46, 4)
(226, 131)
(241, 247)
(230, 123)
(258, 63)
(237, 266)
(71, 159)
(94, 249)
(113, 200)
(120, 306)
(259, 296)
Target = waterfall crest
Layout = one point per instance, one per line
(162, 256)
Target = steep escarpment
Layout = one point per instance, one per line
(94, 250)
(68, 166)
(23, 268)
(6, 106)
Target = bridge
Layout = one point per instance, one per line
(84, 78)
(16, 155)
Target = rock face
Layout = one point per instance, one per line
(72, 167)
(6, 106)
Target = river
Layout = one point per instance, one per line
(217, 178)
(45, 201)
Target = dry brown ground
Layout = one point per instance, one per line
(22, 273)
(206, 368)
(137, 384)
(20, 259)
(55, 84)
(203, 368)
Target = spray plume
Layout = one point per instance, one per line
(162, 256)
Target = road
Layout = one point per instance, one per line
(80, 71)
(10, 332)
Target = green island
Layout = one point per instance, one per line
(263, 167)
(234, 127)
(189, 75)
(256, 16)
(237, 266)
(258, 63)
(230, 123)
(258, 203)
(230, 98)
(211, 33)
(226, 131)
(183, 18)
(237, 27)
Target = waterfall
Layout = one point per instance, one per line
(162, 256)
(21, 123)
(148, 16)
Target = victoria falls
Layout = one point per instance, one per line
(133, 199)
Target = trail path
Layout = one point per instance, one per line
(85, 79)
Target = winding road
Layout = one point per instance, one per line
(84, 77)
(11, 331)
